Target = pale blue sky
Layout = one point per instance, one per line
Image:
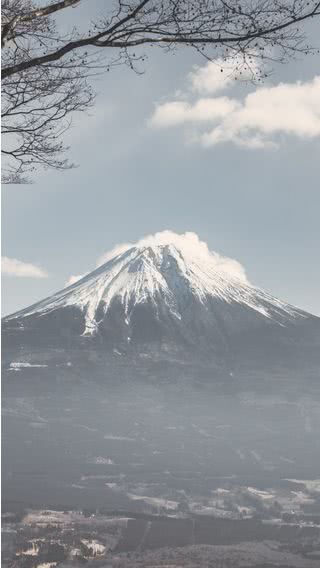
(258, 206)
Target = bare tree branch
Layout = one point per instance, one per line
(45, 70)
(7, 31)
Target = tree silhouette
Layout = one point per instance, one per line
(45, 68)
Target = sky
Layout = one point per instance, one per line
(179, 148)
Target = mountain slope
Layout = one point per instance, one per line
(170, 297)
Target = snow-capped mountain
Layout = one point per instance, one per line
(168, 292)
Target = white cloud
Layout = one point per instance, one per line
(259, 120)
(115, 251)
(14, 267)
(290, 109)
(189, 243)
(105, 257)
(220, 74)
(74, 278)
(203, 110)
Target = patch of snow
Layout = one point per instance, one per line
(301, 497)
(246, 512)
(221, 491)
(47, 517)
(117, 352)
(155, 501)
(33, 551)
(113, 486)
(265, 495)
(96, 548)
(103, 461)
(17, 365)
(286, 460)
(312, 485)
(211, 510)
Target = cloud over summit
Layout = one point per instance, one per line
(188, 243)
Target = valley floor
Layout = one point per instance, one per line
(148, 473)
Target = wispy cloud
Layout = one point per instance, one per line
(191, 245)
(112, 253)
(74, 278)
(220, 74)
(259, 120)
(202, 111)
(14, 267)
(292, 109)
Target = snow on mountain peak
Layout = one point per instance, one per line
(190, 247)
(167, 271)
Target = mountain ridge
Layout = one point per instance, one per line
(169, 297)
(145, 278)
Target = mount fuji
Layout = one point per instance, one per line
(170, 295)
(164, 377)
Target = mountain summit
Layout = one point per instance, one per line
(169, 293)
